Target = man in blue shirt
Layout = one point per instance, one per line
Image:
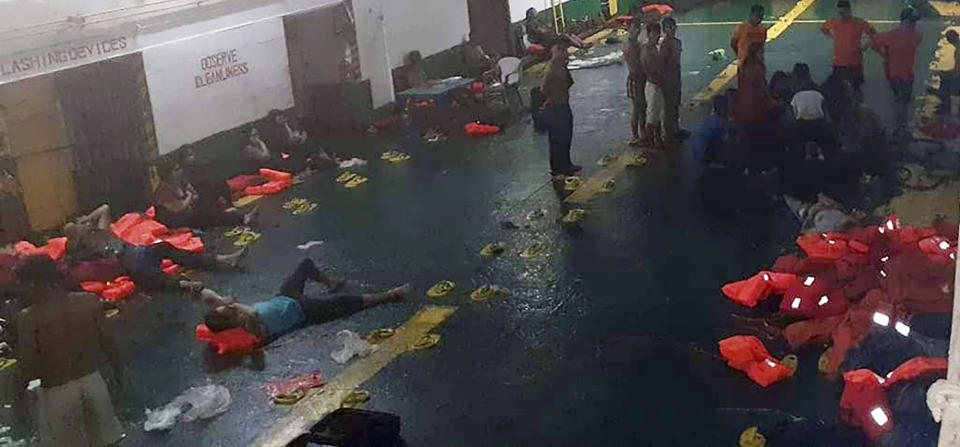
(709, 140)
(289, 310)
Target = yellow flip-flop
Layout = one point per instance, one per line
(572, 183)
(532, 251)
(378, 335)
(399, 158)
(636, 161)
(486, 292)
(536, 214)
(7, 363)
(356, 181)
(493, 249)
(289, 399)
(440, 289)
(236, 231)
(111, 313)
(751, 437)
(608, 185)
(346, 177)
(355, 399)
(388, 155)
(426, 342)
(607, 160)
(574, 216)
(790, 361)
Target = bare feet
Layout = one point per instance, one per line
(399, 294)
(191, 286)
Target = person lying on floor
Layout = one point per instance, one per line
(289, 310)
(95, 254)
(179, 205)
(822, 216)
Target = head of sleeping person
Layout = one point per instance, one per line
(222, 318)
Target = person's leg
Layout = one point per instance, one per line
(566, 138)
(205, 260)
(321, 310)
(903, 94)
(559, 132)
(99, 218)
(655, 105)
(306, 271)
(671, 112)
(60, 416)
(638, 113)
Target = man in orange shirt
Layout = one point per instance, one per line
(899, 50)
(749, 32)
(847, 33)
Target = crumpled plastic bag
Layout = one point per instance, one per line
(353, 346)
(202, 402)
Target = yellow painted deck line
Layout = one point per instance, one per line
(591, 185)
(779, 27)
(946, 9)
(323, 401)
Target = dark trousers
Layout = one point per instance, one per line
(853, 75)
(813, 130)
(671, 108)
(144, 264)
(558, 120)
(202, 217)
(949, 86)
(318, 310)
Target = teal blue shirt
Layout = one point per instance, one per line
(280, 315)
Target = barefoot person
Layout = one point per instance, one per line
(636, 81)
(289, 310)
(899, 50)
(62, 343)
(179, 204)
(653, 90)
(557, 115)
(670, 50)
(848, 34)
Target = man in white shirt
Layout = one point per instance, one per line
(808, 110)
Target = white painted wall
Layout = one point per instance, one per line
(22, 13)
(518, 8)
(372, 46)
(430, 26)
(190, 97)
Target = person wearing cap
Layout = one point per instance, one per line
(847, 33)
(746, 33)
(899, 50)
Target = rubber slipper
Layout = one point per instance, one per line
(378, 335)
(790, 361)
(574, 216)
(345, 177)
(536, 214)
(236, 231)
(355, 399)
(426, 342)
(7, 363)
(636, 161)
(399, 157)
(356, 181)
(493, 249)
(111, 313)
(532, 251)
(289, 398)
(572, 183)
(388, 155)
(486, 292)
(751, 437)
(440, 289)
(606, 160)
(608, 185)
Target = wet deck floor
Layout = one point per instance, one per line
(609, 338)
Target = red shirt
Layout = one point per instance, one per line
(744, 35)
(846, 40)
(899, 50)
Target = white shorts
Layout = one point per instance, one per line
(654, 95)
(77, 413)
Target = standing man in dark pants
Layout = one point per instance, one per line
(670, 50)
(899, 50)
(847, 33)
(557, 115)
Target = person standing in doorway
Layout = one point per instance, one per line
(557, 115)
(636, 81)
(899, 50)
(62, 343)
(749, 32)
(653, 90)
(670, 50)
(847, 33)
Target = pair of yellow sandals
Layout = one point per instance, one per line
(351, 180)
(394, 156)
(299, 206)
(498, 248)
(242, 236)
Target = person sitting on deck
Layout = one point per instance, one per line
(179, 205)
(539, 34)
(144, 264)
(480, 65)
(413, 73)
(255, 154)
(282, 135)
(710, 141)
(289, 310)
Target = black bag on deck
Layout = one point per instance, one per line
(349, 427)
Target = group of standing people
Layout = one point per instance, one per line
(765, 123)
